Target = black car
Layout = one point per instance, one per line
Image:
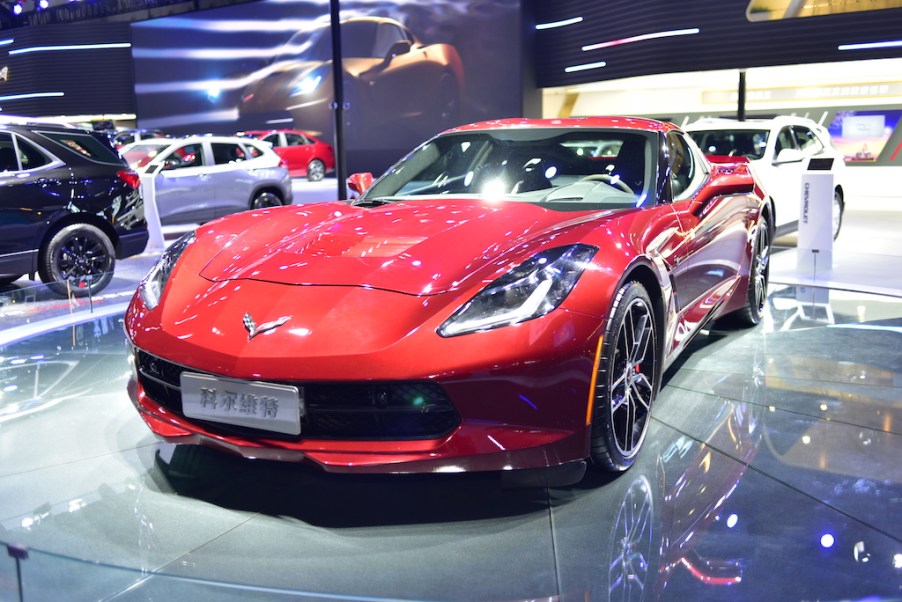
(69, 207)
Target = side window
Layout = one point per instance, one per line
(190, 155)
(8, 159)
(30, 157)
(87, 144)
(251, 151)
(227, 152)
(682, 166)
(808, 140)
(272, 139)
(387, 35)
(295, 140)
(784, 140)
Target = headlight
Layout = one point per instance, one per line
(530, 290)
(306, 85)
(151, 288)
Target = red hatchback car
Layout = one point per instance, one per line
(503, 298)
(306, 156)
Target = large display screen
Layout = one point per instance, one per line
(410, 69)
(861, 136)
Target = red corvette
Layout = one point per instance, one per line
(506, 297)
(306, 156)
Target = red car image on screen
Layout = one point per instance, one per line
(500, 299)
(392, 80)
(306, 156)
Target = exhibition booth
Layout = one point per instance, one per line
(769, 469)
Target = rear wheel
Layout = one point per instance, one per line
(626, 380)
(316, 170)
(265, 199)
(78, 261)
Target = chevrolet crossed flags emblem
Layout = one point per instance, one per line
(253, 330)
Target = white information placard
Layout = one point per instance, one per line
(815, 247)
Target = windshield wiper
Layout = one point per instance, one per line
(370, 202)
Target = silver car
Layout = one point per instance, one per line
(199, 178)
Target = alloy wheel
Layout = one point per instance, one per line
(632, 389)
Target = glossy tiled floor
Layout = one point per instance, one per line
(772, 472)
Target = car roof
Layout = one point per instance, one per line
(635, 123)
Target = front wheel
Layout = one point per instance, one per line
(263, 200)
(626, 380)
(759, 277)
(316, 170)
(78, 261)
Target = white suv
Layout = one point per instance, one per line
(199, 178)
(778, 151)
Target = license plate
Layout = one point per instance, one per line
(265, 406)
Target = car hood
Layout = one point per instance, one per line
(417, 248)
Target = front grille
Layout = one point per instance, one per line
(352, 410)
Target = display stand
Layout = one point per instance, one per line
(155, 240)
(815, 246)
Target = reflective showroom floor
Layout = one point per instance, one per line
(773, 471)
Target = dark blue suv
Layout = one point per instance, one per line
(69, 207)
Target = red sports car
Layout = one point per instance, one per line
(306, 156)
(503, 298)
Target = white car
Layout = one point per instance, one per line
(199, 178)
(778, 150)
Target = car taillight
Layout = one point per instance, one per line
(129, 177)
(283, 162)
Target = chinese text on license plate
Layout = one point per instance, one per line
(265, 406)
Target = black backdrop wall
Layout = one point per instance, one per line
(727, 38)
(66, 66)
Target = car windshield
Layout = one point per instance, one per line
(733, 143)
(562, 169)
(140, 154)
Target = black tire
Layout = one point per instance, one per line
(9, 278)
(78, 260)
(626, 381)
(759, 278)
(838, 208)
(265, 199)
(316, 170)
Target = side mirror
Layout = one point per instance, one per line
(725, 180)
(789, 155)
(399, 47)
(359, 182)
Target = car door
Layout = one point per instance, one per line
(32, 185)
(715, 237)
(298, 152)
(402, 83)
(230, 176)
(183, 189)
(782, 173)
